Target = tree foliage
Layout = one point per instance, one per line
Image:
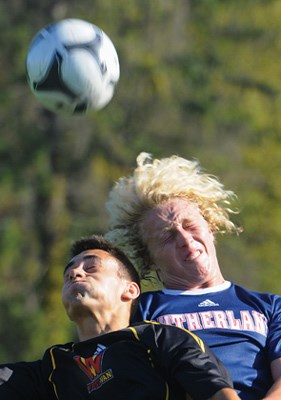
(199, 78)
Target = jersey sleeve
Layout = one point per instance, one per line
(22, 381)
(188, 363)
(274, 331)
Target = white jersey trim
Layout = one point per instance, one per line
(212, 289)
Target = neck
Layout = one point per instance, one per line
(93, 326)
(179, 283)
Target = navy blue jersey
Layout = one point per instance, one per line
(242, 327)
(143, 362)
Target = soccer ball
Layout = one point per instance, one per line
(72, 66)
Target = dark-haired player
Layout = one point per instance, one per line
(113, 360)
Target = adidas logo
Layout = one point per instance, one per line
(99, 349)
(207, 303)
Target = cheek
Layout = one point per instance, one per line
(153, 251)
(64, 298)
(210, 245)
(66, 293)
(162, 256)
(65, 289)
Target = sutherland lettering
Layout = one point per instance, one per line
(247, 321)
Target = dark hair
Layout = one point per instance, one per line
(94, 242)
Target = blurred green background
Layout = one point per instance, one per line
(199, 78)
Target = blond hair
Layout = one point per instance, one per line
(154, 182)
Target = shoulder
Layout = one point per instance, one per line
(151, 293)
(267, 303)
(168, 333)
(155, 297)
(252, 294)
(59, 347)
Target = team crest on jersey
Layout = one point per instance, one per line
(93, 368)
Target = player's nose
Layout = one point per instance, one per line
(184, 238)
(77, 271)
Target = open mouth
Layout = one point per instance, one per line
(192, 256)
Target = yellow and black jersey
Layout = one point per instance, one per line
(142, 362)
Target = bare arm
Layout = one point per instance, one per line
(274, 392)
(225, 394)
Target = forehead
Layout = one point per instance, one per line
(174, 210)
(96, 256)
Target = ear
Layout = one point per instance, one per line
(131, 292)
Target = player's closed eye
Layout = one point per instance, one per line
(90, 268)
(167, 236)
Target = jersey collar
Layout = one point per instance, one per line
(212, 289)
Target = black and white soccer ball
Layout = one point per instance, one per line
(72, 66)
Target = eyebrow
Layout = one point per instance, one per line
(87, 257)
